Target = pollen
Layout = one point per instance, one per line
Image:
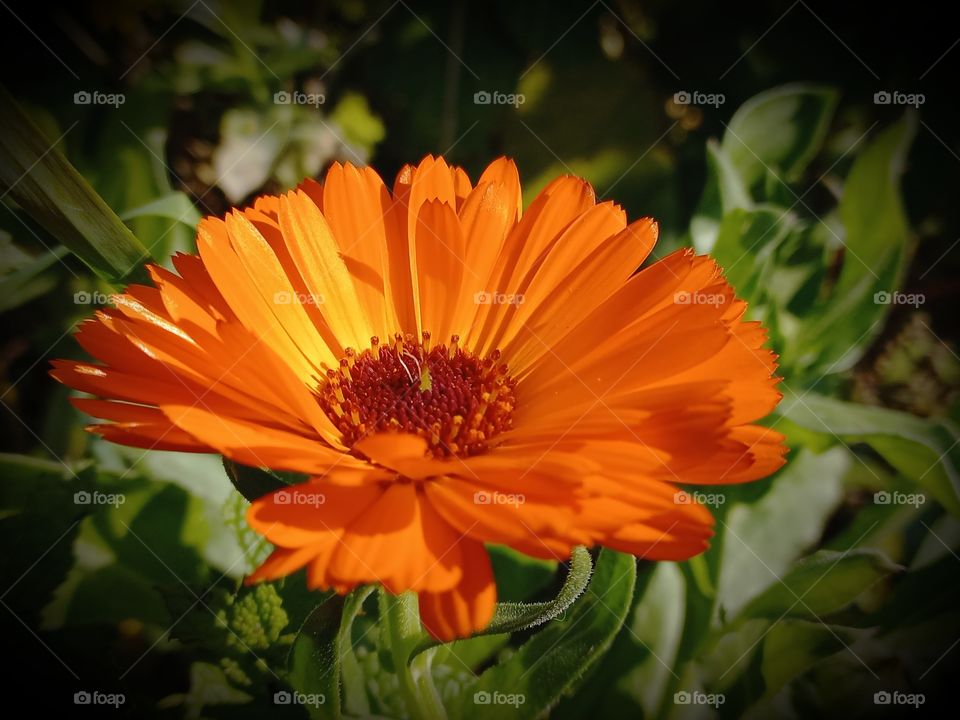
(456, 400)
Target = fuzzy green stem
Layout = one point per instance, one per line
(402, 621)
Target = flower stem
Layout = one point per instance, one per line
(401, 619)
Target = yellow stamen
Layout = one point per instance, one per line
(456, 425)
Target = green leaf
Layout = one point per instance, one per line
(924, 451)
(871, 208)
(512, 617)
(208, 687)
(728, 658)
(875, 232)
(519, 577)
(553, 660)
(746, 241)
(129, 172)
(174, 206)
(254, 483)
(763, 539)
(314, 664)
(112, 594)
(792, 647)
(39, 522)
(820, 584)
(657, 628)
(723, 193)
(781, 130)
(28, 280)
(469, 653)
(42, 182)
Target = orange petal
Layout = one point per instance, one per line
(557, 205)
(469, 606)
(401, 542)
(254, 311)
(439, 252)
(403, 452)
(137, 426)
(256, 444)
(317, 255)
(313, 513)
(541, 526)
(268, 277)
(356, 203)
(503, 172)
(560, 297)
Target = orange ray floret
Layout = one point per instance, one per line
(449, 370)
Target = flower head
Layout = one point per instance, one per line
(450, 370)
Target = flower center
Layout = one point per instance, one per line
(456, 400)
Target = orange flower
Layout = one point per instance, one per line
(449, 371)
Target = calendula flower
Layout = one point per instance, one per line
(449, 370)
